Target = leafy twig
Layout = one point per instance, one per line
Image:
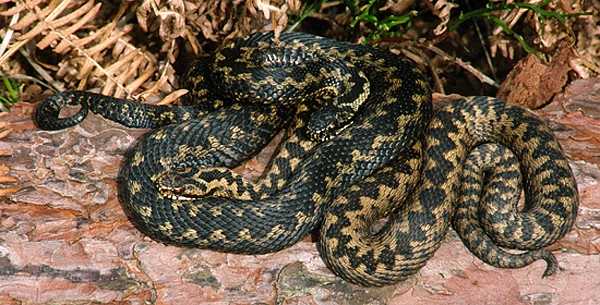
(384, 26)
(493, 7)
(11, 93)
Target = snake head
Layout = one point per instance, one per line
(323, 125)
(180, 185)
(191, 183)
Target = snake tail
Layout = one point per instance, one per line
(125, 112)
(415, 230)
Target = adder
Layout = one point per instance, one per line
(361, 144)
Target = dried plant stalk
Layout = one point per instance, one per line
(68, 27)
(104, 53)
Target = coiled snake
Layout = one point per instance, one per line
(361, 144)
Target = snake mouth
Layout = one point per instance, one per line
(325, 124)
(322, 135)
(191, 183)
(182, 184)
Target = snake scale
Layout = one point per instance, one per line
(361, 144)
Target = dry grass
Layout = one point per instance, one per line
(130, 50)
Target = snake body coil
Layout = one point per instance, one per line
(360, 145)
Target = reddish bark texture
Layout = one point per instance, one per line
(65, 239)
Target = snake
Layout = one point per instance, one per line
(361, 145)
